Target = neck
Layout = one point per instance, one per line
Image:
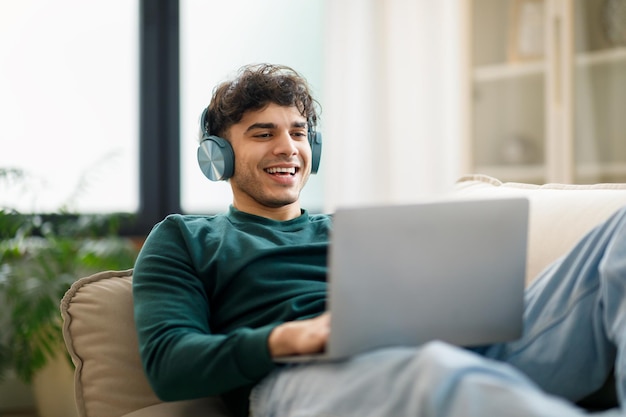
(282, 213)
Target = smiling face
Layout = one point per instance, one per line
(272, 161)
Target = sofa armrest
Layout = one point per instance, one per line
(100, 336)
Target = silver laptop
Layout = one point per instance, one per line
(402, 275)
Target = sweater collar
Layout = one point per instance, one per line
(238, 216)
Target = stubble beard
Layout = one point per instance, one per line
(247, 185)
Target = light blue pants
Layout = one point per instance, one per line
(575, 332)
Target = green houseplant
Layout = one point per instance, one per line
(39, 259)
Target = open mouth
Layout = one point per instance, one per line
(282, 171)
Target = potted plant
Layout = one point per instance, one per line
(40, 257)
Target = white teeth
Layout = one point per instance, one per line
(277, 170)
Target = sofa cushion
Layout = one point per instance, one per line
(99, 333)
(560, 214)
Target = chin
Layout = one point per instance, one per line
(281, 202)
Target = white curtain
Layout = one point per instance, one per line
(392, 110)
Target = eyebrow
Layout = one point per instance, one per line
(273, 125)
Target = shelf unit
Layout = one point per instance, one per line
(554, 116)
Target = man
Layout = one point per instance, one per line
(217, 298)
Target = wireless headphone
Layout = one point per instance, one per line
(217, 159)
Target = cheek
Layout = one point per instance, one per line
(245, 160)
(305, 152)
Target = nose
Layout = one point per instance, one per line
(285, 145)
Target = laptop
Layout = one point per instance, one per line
(402, 275)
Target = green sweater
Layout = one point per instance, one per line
(209, 289)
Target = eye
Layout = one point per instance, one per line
(299, 134)
(263, 135)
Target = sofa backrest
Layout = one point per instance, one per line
(560, 214)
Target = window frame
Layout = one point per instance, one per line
(159, 115)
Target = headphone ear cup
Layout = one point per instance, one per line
(216, 158)
(315, 140)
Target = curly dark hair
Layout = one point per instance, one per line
(255, 87)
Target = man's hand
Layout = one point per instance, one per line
(300, 337)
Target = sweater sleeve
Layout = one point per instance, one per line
(181, 355)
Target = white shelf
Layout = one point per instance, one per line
(508, 70)
(505, 71)
(607, 56)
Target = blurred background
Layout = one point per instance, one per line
(99, 100)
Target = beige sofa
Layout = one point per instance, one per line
(100, 335)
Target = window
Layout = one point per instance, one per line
(218, 37)
(100, 100)
(68, 104)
